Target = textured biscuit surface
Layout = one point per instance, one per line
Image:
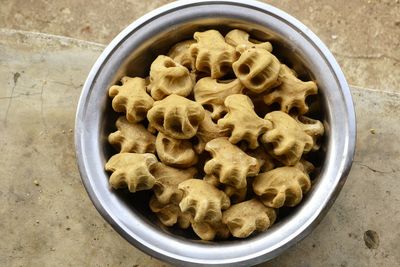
(291, 93)
(131, 98)
(229, 163)
(282, 186)
(132, 170)
(212, 54)
(132, 137)
(247, 217)
(203, 201)
(176, 116)
(169, 77)
(242, 121)
(287, 138)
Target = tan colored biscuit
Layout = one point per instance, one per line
(291, 93)
(212, 93)
(131, 98)
(175, 152)
(287, 138)
(313, 128)
(247, 217)
(242, 41)
(176, 116)
(284, 186)
(132, 137)
(229, 163)
(242, 121)
(168, 77)
(207, 231)
(234, 194)
(257, 69)
(203, 201)
(264, 159)
(170, 214)
(167, 180)
(212, 54)
(180, 53)
(305, 166)
(207, 131)
(132, 170)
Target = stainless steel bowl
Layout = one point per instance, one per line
(132, 52)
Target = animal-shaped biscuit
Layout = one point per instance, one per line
(167, 180)
(203, 201)
(247, 217)
(305, 166)
(257, 69)
(180, 53)
(212, 93)
(210, 231)
(229, 163)
(235, 195)
(313, 128)
(207, 131)
(264, 159)
(284, 186)
(288, 140)
(241, 40)
(243, 121)
(170, 214)
(131, 98)
(169, 77)
(132, 170)
(132, 137)
(176, 116)
(291, 93)
(175, 152)
(213, 55)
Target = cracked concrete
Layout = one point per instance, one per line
(362, 34)
(47, 219)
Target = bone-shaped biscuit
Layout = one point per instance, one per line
(287, 138)
(229, 163)
(212, 93)
(212, 54)
(207, 131)
(235, 195)
(175, 152)
(176, 116)
(210, 231)
(313, 128)
(169, 77)
(132, 137)
(131, 98)
(247, 217)
(243, 121)
(170, 214)
(203, 201)
(257, 69)
(132, 170)
(242, 41)
(167, 180)
(291, 93)
(180, 53)
(284, 186)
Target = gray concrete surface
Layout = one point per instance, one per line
(363, 34)
(47, 219)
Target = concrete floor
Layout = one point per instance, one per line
(363, 34)
(46, 217)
